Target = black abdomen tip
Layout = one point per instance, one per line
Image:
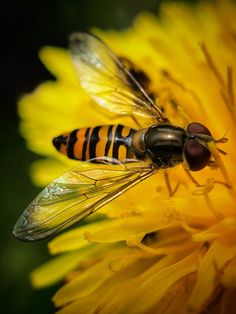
(58, 141)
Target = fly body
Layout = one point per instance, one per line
(165, 145)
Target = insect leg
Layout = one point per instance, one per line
(223, 183)
(195, 182)
(167, 180)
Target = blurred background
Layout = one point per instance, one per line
(27, 25)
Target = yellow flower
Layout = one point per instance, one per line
(146, 252)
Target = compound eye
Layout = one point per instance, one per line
(197, 128)
(197, 156)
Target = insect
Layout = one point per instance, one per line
(114, 158)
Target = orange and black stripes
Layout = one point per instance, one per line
(71, 143)
(122, 144)
(109, 140)
(112, 141)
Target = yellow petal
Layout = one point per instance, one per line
(126, 228)
(58, 62)
(228, 278)
(90, 280)
(65, 104)
(111, 288)
(175, 300)
(57, 268)
(151, 286)
(218, 229)
(220, 252)
(228, 302)
(74, 239)
(45, 171)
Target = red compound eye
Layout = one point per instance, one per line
(197, 156)
(197, 128)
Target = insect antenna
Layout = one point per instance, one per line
(221, 150)
(223, 139)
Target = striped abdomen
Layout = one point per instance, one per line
(113, 141)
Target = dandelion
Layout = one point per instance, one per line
(147, 252)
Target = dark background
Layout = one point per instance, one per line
(27, 25)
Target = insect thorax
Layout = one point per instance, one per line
(164, 144)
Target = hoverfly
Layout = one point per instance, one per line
(115, 157)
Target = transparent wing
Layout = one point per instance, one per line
(103, 75)
(75, 195)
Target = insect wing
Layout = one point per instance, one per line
(75, 195)
(107, 80)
